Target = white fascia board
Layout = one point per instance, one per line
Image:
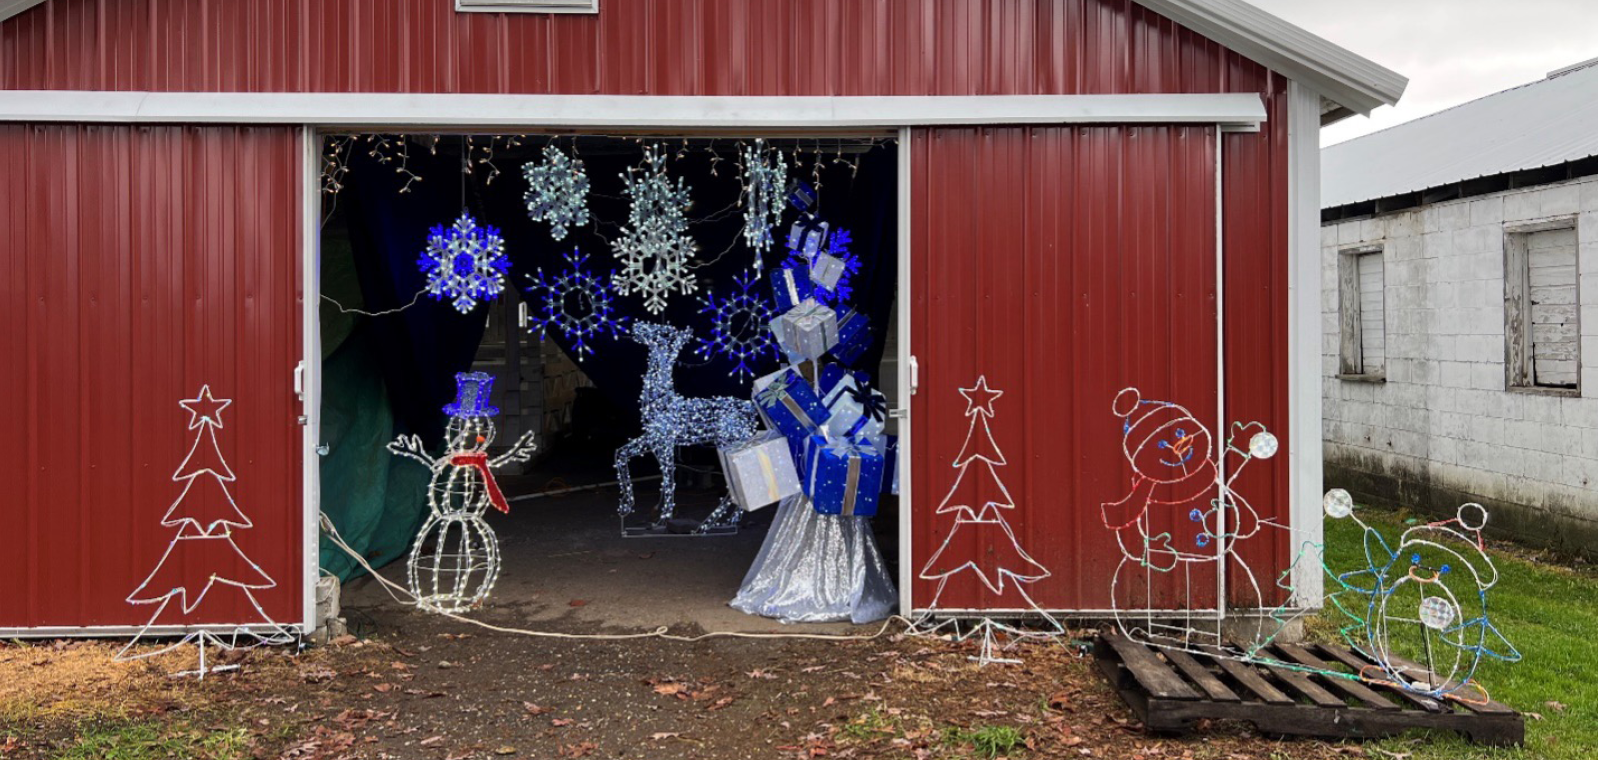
(1351, 80)
(1305, 449)
(403, 111)
(9, 8)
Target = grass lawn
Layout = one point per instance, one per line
(1550, 613)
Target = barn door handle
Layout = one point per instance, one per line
(299, 380)
(915, 375)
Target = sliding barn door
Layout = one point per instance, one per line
(143, 265)
(1059, 266)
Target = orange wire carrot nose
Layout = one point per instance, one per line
(480, 439)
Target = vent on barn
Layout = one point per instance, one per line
(1542, 313)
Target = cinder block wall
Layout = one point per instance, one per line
(1443, 428)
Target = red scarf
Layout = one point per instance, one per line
(480, 461)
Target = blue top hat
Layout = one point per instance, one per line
(471, 395)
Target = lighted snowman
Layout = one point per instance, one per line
(455, 560)
(1425, 619)
(1179, 510)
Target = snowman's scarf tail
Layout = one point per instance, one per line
(479, 461)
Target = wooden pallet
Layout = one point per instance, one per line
(1169, 690)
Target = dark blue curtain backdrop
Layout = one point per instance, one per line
(421, 348)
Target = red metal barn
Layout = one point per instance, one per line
(1097, 194)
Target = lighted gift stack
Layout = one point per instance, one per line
(825, 423)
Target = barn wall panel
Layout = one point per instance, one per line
(1063, 264)
(143, 263)
(666, 47)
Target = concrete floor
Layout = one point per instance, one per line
(566, 566)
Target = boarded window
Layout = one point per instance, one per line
(1542, 313)
(1362, 312)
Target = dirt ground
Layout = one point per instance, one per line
(420, 686)
(433, 690)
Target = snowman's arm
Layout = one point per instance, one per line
(1233, 457)
(520, 451)
(411, 446)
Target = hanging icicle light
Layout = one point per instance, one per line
(765, 174)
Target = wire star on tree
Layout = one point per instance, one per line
(557, 191)
(575, 304)
(765, 172)
(740, 327)
(464, 263)
(654, 247)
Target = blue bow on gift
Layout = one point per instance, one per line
(872, 404)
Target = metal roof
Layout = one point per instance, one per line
(1544, 123)
(1351, 82)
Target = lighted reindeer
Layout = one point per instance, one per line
(671, 421)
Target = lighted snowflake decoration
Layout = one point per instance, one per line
(654, 246)
(464, 263)
(575, 304)
(740, 327)
(765, 173)
(838, 246)
(557, 191)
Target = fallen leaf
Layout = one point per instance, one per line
(581, 749)
(343, 640)
(1060, 701)
(720, 703)
(577, 603)
(670, 689)
(533, 709)
(560, 722)
(383, 687)
(646, 555)
(662, 736)
(431, 740)
(1555, 706)
(505, 750)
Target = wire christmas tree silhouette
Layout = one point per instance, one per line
(202, 553)
(999, 563)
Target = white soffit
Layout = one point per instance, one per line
(1545, 123)
(1350, 80)
(383, 110)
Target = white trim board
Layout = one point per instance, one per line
(400, 111)
(1348, 79)
(1304, 448)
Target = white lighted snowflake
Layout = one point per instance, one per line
(575, 304)
(557, 191)
(654, 246)
(464, 263)
(764, 174)
(740, 327)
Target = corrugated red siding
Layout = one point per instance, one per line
(677, 47)
(140, 264)
(1051, 243)
(1066, 264)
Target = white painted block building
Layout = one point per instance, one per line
(1460, 302)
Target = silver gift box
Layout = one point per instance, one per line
(760, 471)
(808, 330)
(826, 270)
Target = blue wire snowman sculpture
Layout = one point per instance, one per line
(454, 562)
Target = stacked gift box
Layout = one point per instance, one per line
(825, 423)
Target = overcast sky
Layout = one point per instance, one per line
(1453, 51)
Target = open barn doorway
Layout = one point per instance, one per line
(568, 331)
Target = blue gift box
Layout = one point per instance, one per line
(854, 408)
(843, 477)
(854, 337)
(890, 452)
(801, 195)
(788, 404)
(808, 236)
(791, 285)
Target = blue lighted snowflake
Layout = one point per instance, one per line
(740, 327)
(464, 263)
(575, 304)
(838, 245)
(557, 191)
